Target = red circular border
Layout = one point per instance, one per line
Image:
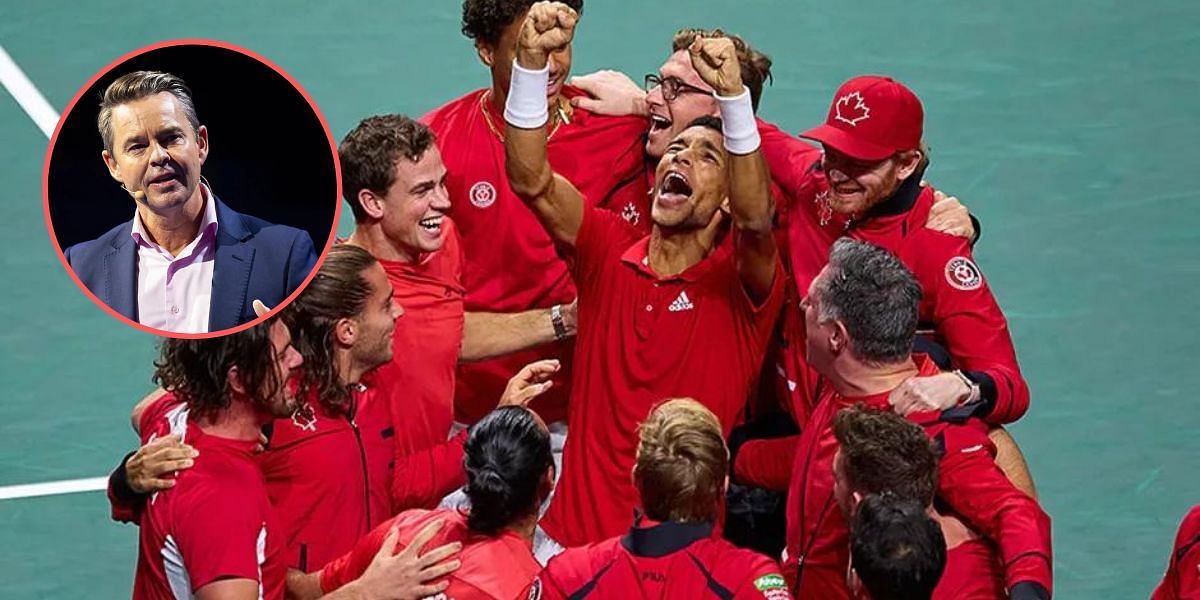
(337, 169)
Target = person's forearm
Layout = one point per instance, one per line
(1010, 460)
(528, 168)
(305, 586)
(488, 335)
(750, 201)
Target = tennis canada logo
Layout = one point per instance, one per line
(482, 194)
(851, 109)
(962, 274)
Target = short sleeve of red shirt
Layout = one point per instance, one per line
(220, 536)
(765, 582)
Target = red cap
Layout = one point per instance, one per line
(871, 118)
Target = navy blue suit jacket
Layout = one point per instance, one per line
(254, 260)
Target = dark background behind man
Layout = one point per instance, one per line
(269, 156)
(1069, 130)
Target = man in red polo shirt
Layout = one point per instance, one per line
(1182, 579)
(213, 534)
(688, 310)
(671, 552)
(395, 182)
(882, 452)
(510, 262)
(861, 317)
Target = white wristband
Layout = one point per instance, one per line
(738, 124)
(526, 106)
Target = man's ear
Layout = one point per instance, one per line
(856, 498)
(839, 338)
(907, 162)
(371, 203)
(114, 169)
(202, 142)
(487, 54)
(235, 380)
(345, 331)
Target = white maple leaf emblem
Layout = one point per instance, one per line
(849, 113)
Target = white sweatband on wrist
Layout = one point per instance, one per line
(738, 124)
(526, 106)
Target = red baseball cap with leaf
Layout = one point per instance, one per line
(871, 118)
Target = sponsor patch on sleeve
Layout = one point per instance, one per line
(772, 586)
(962, 274)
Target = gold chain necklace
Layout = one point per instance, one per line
(559, 112)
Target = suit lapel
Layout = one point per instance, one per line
(231, 270)
(120, 277)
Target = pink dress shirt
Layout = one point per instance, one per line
(173, 292)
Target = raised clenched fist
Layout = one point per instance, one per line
(715, 60)
(548, 27)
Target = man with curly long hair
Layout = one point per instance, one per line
(213, 533)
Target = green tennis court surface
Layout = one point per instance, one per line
(1069, 128)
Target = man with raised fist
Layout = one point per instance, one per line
(509, 262)
(708, 270)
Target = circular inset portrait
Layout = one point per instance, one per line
(187, 180)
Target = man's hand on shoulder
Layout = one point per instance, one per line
(610, 93)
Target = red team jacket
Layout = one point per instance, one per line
(493, 567)
(958, 307)
(644, 338)
(661, 560)
(329, 476)
(969, 483)
(511, 263)
(419, 380)
(216, 523)
(1182, 579)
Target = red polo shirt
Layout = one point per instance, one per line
(216, 523)
(642, 339)
(496, 567)
(511, 263)
(418, 383)
(661, 560)
(1182, 579)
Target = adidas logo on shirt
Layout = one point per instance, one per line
(681, 303)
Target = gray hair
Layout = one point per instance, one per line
(875, 296)
(138, 85)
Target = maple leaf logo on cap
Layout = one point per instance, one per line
(850, 114)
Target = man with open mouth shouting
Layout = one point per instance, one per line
(686, 311)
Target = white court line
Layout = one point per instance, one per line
(46, 118)
(53, 488)
(26, 94)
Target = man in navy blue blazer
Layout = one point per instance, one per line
(186, 262)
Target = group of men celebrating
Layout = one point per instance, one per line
(562, 299)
